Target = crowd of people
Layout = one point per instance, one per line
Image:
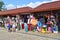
(31, 23)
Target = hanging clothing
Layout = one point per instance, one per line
(42, 20)
(21, 24)
(26, 27)
(28, 21)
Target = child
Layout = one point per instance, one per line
(9, 27)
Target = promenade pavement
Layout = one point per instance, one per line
(22, 35)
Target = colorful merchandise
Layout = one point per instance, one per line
(49, 29)
(44, 28)
(23, 26)
(33, 22)
(55, 29)
(39, 25)
(39, 29)
(43, 31)
(26, 27)
(29, 28)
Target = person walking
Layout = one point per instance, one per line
(9, 27)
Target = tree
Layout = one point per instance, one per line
(3, 8)
(1, 5)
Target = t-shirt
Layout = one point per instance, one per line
(42, 20)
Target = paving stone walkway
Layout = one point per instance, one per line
(22, 35)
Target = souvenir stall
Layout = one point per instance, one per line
(26, 22)
(46, 22)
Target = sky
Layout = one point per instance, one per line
(12, 4)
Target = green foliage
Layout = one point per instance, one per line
(1, 4)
